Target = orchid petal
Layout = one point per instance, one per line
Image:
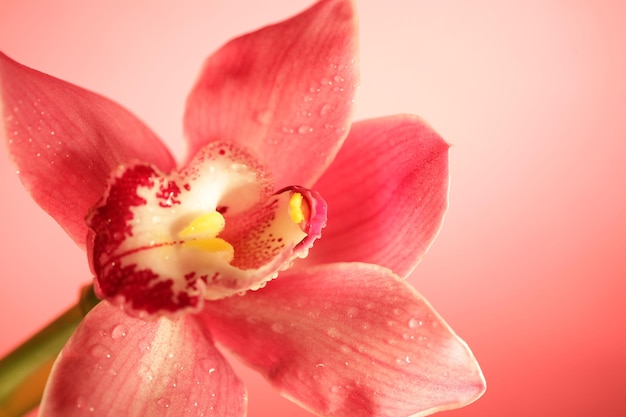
(115, 365)
(390, 202)
(66, 140)
(349, 340)
(284, 91)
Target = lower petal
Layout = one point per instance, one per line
(115, 365)
(349, 340)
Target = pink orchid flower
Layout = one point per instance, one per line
(218, 249)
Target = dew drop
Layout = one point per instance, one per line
(144, 344)
(264, 117)
(403, 361)
(325, 109)
(308, 99)
(305, 129)
(414, 323)
(99, 351)
(278, 328)
(333, 332)
(352, 311)
(339, 79)
(119, 331)
(79, 402)
(163, 402)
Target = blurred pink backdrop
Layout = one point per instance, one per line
(529, 267)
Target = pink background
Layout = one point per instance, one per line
(530, 265)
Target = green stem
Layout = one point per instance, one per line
(23, 372)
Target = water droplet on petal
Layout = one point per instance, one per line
(278, 328)
(305, 129)
(99, 351)
(414, 323)
(119, 331)
(264, 117)
(333, 332)
(325, 109)
(163, 402)
(145, 344)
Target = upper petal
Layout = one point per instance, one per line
(66, 141)
(285, 91)
(349, 340)
(387, 192)
(115, 365)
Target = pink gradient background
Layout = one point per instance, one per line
(529, 268)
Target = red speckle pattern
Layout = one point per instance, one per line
(253, 246)
(168, 194)
(112, 223)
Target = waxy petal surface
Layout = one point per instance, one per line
(349, 339)
(387, 193)
(115, 365)
(284, 91)
(66, 141)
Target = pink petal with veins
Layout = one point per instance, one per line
(66, 141)
(349, 340)
(115, 365)
(387, 193)
(285, 91)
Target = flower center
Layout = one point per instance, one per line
(165, 243)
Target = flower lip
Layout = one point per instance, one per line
(165, 243)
